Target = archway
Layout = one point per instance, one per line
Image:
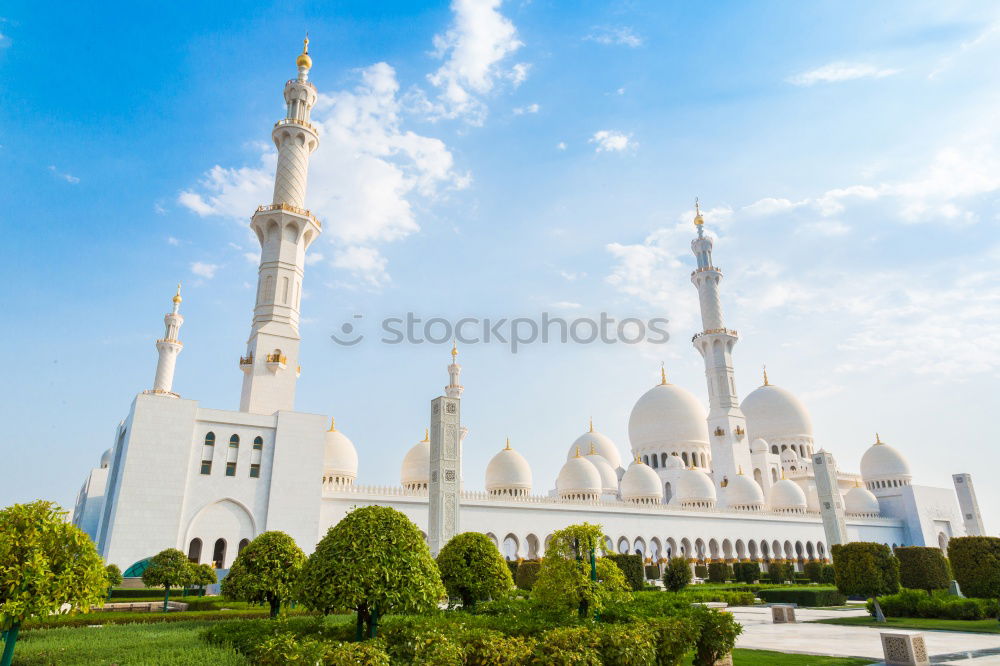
(511, 547)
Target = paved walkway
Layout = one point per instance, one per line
(804, 637)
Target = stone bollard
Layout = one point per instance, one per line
(904, 648)
(782, 614)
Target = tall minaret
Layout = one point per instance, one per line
(454, 388)
(285, 230)
(168, 347)
(726, 425)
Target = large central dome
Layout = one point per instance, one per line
(667, 418)
(774, 414)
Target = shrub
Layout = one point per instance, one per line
(674, 637)
(731, 597)
(374, 561)
(975, 562)
(719, 572)
(527, 574)
(265, 571)
(865, 569)
(717, 635)
(512, 566)
(915, 603)
(828, 575)
(652, 571)
(369, 653)
(700, 571)
(202, 575)
(472, 569)
(631, 566)
(113, 575)
(810, 596)
(627, 645)
(922, 568)
(576, 646)
(813, 571)
(780, 572)
(488, 647)
(677, 574)
(287, 648)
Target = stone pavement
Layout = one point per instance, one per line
(805, 637)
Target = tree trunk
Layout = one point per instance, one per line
(373, 624)
(166, 598)
(362, 623)
(10, 638)
(467, 601)
(275, 607)
(879, 615)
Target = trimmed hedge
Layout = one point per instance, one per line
(746, 572)
(922, 568)
(700, 571)
(677, 574)
(975, 561)
(150, 593)
(828, 575)
(780, 572)
(527, 574)
(652, 572)
(917, 603)
(865, 569)
(719, 572)
(813, 571)
(809, 596)
(631, 566)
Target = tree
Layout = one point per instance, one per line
(975, 561)
(867, 570)
(45, 562)
(374, 561)
(677, 574)
(265, 571)
(573, 578)
(114, 577)
(472, 569)
(202, 575)
(169, 568)
(922, 568)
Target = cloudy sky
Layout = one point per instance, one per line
(502, 160)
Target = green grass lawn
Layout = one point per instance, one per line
(926, 623)
(163, 644)
(767, 658)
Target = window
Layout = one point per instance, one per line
(230, 469)
(254, 471)
(243, 544)
(194, 551)
(234, 442)
(258, 443)
(210, 439)
(219, 553)
(206, 466)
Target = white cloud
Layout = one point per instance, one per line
(827, 228)
(253, 257)
(4, 41)
(204, 270)
(521, 110)
(983, 37)
(313, 258)
(364, 263)
(836, 72)
(620, 35)
(612, 141)
(561, 145)
(770, 206)
(566, 305)
(173, 241)
(68, 177)
(159, 208)
(571, 276)
(479, 39)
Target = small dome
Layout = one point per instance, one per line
(603, 444)
(787, 496)
(861, 502)
(609, 478)
(415, 470)
(695, 486)
(789, 456)
(508, 473)
(667, 418)
(106, 459)
(579, 479)
(674, 462)
(882, 461)
(759, 446)
(772, 413)
(744, 493)
(641, 484)
(340, 458)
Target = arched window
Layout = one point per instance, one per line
(207, 453)
(234, 442)
(243, 544)
(667, 492)
(219, 553)
(234, 450)
(210, 439)
(258, 443)
(774, 450)
(656, 461)
(194, 551)
(684, 457)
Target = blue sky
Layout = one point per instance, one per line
(501, 160)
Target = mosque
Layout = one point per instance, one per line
(743, 482)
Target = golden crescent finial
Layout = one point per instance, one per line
(741, 470)
(427, 435)
(698, 219)
(454, 350)
(878, 440)
(177, 296)
(507, 448)
(591, 424)
(593, 450)
(304, 60)
(577, 452)
(765, 375)
(663, 374)
(333, 425)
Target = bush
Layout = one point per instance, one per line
(488, 647)
(626, 645)
(917, 603)
(746, 572)
(287, 648)
(472, 569)
(780, 572)
(369, 653)
(813, 571)
(512, 566)
(677, 574)
(719, 572)
(717, 636)
(652, 571)
(731, 597)
(631, 566)
(828, 576)
(865, 569)
(922, 568)
(700, 571)
(527, 574)
(810, 596)
(576, 646)
(975, 562)
(674, 637)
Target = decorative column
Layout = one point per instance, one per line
(831, 503)
(969, 505)
(445, 472)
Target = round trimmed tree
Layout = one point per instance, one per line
(45, 562)
(202, 575)
(374, 562)
(472, 569)
(114, 577)
(867, 570)
(265, 571)
(168, 568)
(677, 575)
(922, 568)
(975, 561)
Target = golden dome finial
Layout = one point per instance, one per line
(593, 450)
(765, 375)
(638, 459)
(454, 350)
(577, 452)
(663, 374)
(304, 60)
(741, 470)
(427, 435)
(177, 296)
(782, 473)
(878, 440)
(857, 483)
(333, 425)
(507, 448)
(698, 219)
(591, 424)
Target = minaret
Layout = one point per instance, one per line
(454, 387)
(285, 230)
(726, 425)
(168, 347)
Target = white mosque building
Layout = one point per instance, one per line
(744, 481)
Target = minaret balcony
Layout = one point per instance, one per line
(295, 121)
(704, 269)
(276, 362)
(246, 363)
(290, 209)
(716, 331)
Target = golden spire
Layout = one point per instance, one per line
(427, 435)
(577, 452)
(333, 425)
(591, 424)
(698, 219)
(304, 60)
(765, 375)
(592, 449)
(638, 459)
(877, 440)
(782, 473)
(177, 296)
(741, 470)
(507, 448)
(663, 374)
(454, 351)
(857, 483)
